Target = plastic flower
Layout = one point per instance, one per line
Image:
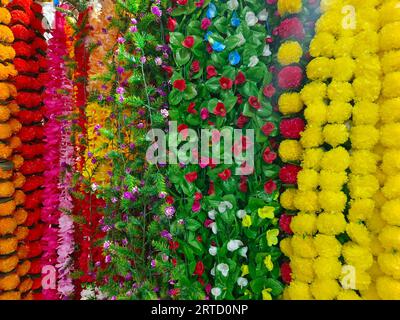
(233, 245)
(234, 58)
(245, 269)
(235, 21)
(247, 222)
(223, 268)
(216, 292)
(232, 4)
(266, 212)
(253, 61)
(242, 282)
(289, 52)
(268, 262)
(290, 150)
(211, 11)
(266, 295)
(272, 237)
(251, 18)
(218, 46)
(290, 103)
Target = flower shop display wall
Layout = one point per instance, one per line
(306, 206)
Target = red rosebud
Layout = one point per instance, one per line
(253, 101)
(290, 77)
(167, 38)
(169, 70)
(286, 272)
(169, 199)
(173, 260)
(171, 24)
(269, 186)
(239, 98)
(269, 156)
(268, 128)
(198, 196)
(188, 42)
(199, 269)
(220, 110)
(291, 128)
(242, 121)
(240, 78)
(205, 23)
(284, 223)
(191, 176)
(211, 188)
(181, 2)
(269, 90)
(243, 184)
(180, 84)
(182, 127)
(225, 175)
(208, 222)
(211, 72)
(173, 245)
(291, 27)
(199, 238)
(209, 48)
(201, 281)
(191, 108)
(195, 66)
(225, 83)
(288, 173)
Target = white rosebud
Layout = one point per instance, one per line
(233, 4)
(241, 214)
(212, 251)
(243, 252)
(94, 186)
(242, 282)
(228, 204)
(234, 245)
(211, 214)
(216, 292)
(214, 228)
(263, 15)
(223, 268)
(251, 19)
(222, 207)
(253, 61)
(212, 271)
(242, 40)
(267, 51)
(88, 294)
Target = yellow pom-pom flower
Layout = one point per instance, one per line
(286, 247)
(358, 233)
(338, 112)
(335, 134)
(389, 134)
(312, 91)
(307, 179)
(363, 186)
(389, 12)
(357, 256)
(322, 45)
(391, 85)
(306, 201)
(340, 91)
(315, 113)
(389, 36)
(336, 160)
(390, 212)
(388, 288)
(343, 47)
(290, 150)
(364, 137)
(290, 52)
(327, 267)
(367, 88)
(332, 181)
(325, 289)
(312, 137)
(327, 245)
(365, 42)
(303, 246)
(365, 112)
(302, 268)
(363, 162)
(390, 110)
(391, 161)
(368, 65)
(361, 209)
(331, 223)
(390, 237)
(304, 224)
(391, 61)
(312, 158)
(391, 189)
(299, 290)
(289, 6)
(320, 69)
(389, 262)
(290, 103)
(348, 295)
(375, 223)
(287, 199)
(332, 201)
(343, 69)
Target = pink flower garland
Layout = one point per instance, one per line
(57, 101)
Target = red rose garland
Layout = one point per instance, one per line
(26, 16)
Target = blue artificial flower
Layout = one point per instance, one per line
(235, 21)
(211, 11)
(208, 33)
(218, 46)
(234, 58)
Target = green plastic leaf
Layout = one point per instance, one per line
(182, 56)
